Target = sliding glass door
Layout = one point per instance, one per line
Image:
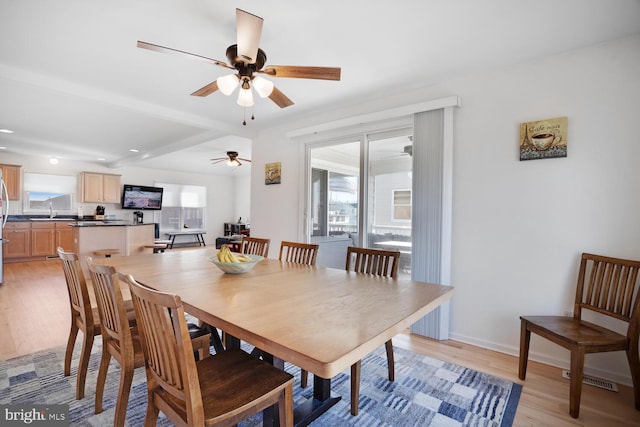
(373, 171)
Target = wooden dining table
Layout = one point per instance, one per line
(320, 319)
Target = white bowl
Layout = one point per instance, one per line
(237, 267)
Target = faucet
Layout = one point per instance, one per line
(51, 215)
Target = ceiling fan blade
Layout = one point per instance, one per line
(162, 49)
(248, 29)
(280, 98)
(297, 72)
(214, 161)
(207, 89)
(243, 159)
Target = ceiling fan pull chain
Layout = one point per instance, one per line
(244, 118)
(252, 116)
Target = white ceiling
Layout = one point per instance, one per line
(74, 85)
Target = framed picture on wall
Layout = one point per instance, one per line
(272, 173)
(543, 139)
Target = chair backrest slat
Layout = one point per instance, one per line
(373, 261)
(608, 286)
(255, 246)
(299, 253)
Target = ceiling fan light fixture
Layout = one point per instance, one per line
(227, 84)
(263, 86)
(245, 98)
(233, 163)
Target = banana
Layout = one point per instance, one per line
(225, 255)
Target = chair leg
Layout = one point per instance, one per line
(71, 342)
(575, 390)
(102, 378)
(126, 378)
(634, 366)
(525, 338)
(390, 362)
(355, 387)
(285, 407)
(304, 378)
(83, 364)
(151, 416)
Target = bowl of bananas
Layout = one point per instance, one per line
(234, 263)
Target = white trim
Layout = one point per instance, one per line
(451, 101)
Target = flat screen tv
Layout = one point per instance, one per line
(140, 197)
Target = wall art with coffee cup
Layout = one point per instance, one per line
(544, 139)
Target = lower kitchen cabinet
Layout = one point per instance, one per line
(19, 236)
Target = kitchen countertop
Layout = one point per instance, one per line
(73, 221)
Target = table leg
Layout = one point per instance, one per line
(322, 400)
(307, 411)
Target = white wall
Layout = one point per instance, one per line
(226, 198)
(518, 227)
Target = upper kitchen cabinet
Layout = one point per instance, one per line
(11, 177)
(99, 187)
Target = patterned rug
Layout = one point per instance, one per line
(426, 392)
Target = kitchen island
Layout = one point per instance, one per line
(128, 237)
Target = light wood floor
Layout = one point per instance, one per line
(34, 315)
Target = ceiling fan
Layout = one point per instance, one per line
(247, 59)
(232, 159)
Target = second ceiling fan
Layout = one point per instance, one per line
(232, 159)
(248, 60)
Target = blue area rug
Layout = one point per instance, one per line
(426, 392)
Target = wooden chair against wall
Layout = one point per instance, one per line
(255, 246)
(605, 285)
(378, 263)
(219, 390)
(83, 318)
(299, 253)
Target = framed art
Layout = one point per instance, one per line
(543, 139)
(272, 173)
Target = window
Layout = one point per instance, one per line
(183, 206)
(45, 193)
(401, 205)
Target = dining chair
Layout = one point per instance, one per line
(255, 246)
(299, 253)
(219, 390)
(119, 339)
(83, 318)
(605, 285)
(375, 262)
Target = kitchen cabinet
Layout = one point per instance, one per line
(48, 236)
(64, 236)
(19, 236)
(99, 187)
(11, 177)
(43, 239)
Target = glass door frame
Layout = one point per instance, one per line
(364, 138)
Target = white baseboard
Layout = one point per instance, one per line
(561, 363)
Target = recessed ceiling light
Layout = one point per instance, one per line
(3, 148)
(102, 159)
(53, 161)
(6, 131)
(134, 150)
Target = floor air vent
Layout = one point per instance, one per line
(594, 381)
(52, 257)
